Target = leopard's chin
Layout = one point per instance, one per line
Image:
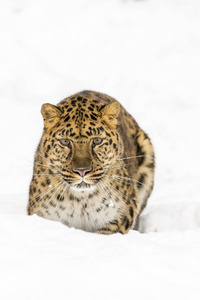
(83, 185)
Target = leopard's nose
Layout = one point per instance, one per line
(81, 171)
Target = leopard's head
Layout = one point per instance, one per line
(80, 140)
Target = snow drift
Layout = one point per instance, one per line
(146, 54)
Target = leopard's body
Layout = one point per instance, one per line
(94, 166)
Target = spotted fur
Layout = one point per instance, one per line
(94, 166)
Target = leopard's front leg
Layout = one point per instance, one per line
(123, 224)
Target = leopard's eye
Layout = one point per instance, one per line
(97, 141)
(64, 142)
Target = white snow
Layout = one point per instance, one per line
(146, 54)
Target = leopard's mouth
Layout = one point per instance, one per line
(82, 185)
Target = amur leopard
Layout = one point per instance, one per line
(94, 165)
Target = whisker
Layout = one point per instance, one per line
(47, 175)
(46, 191)
(62, 184)
(124, 177)
(47, 160)
(49, 167)
(117, 191)
(127, 178)
(67, 185)
(41, 165)
(111, 191)
(125, 158)
(40, 179)
(41, 155)
(135, 156)
(48, 200)
(117, 167)
(43, 178)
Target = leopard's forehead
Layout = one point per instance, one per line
(80, 109)
(81, 114)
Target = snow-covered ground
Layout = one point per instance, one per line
(146, 54)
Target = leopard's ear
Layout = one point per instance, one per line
(51, 115)
(110, 112)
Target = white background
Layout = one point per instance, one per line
(146, 54)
